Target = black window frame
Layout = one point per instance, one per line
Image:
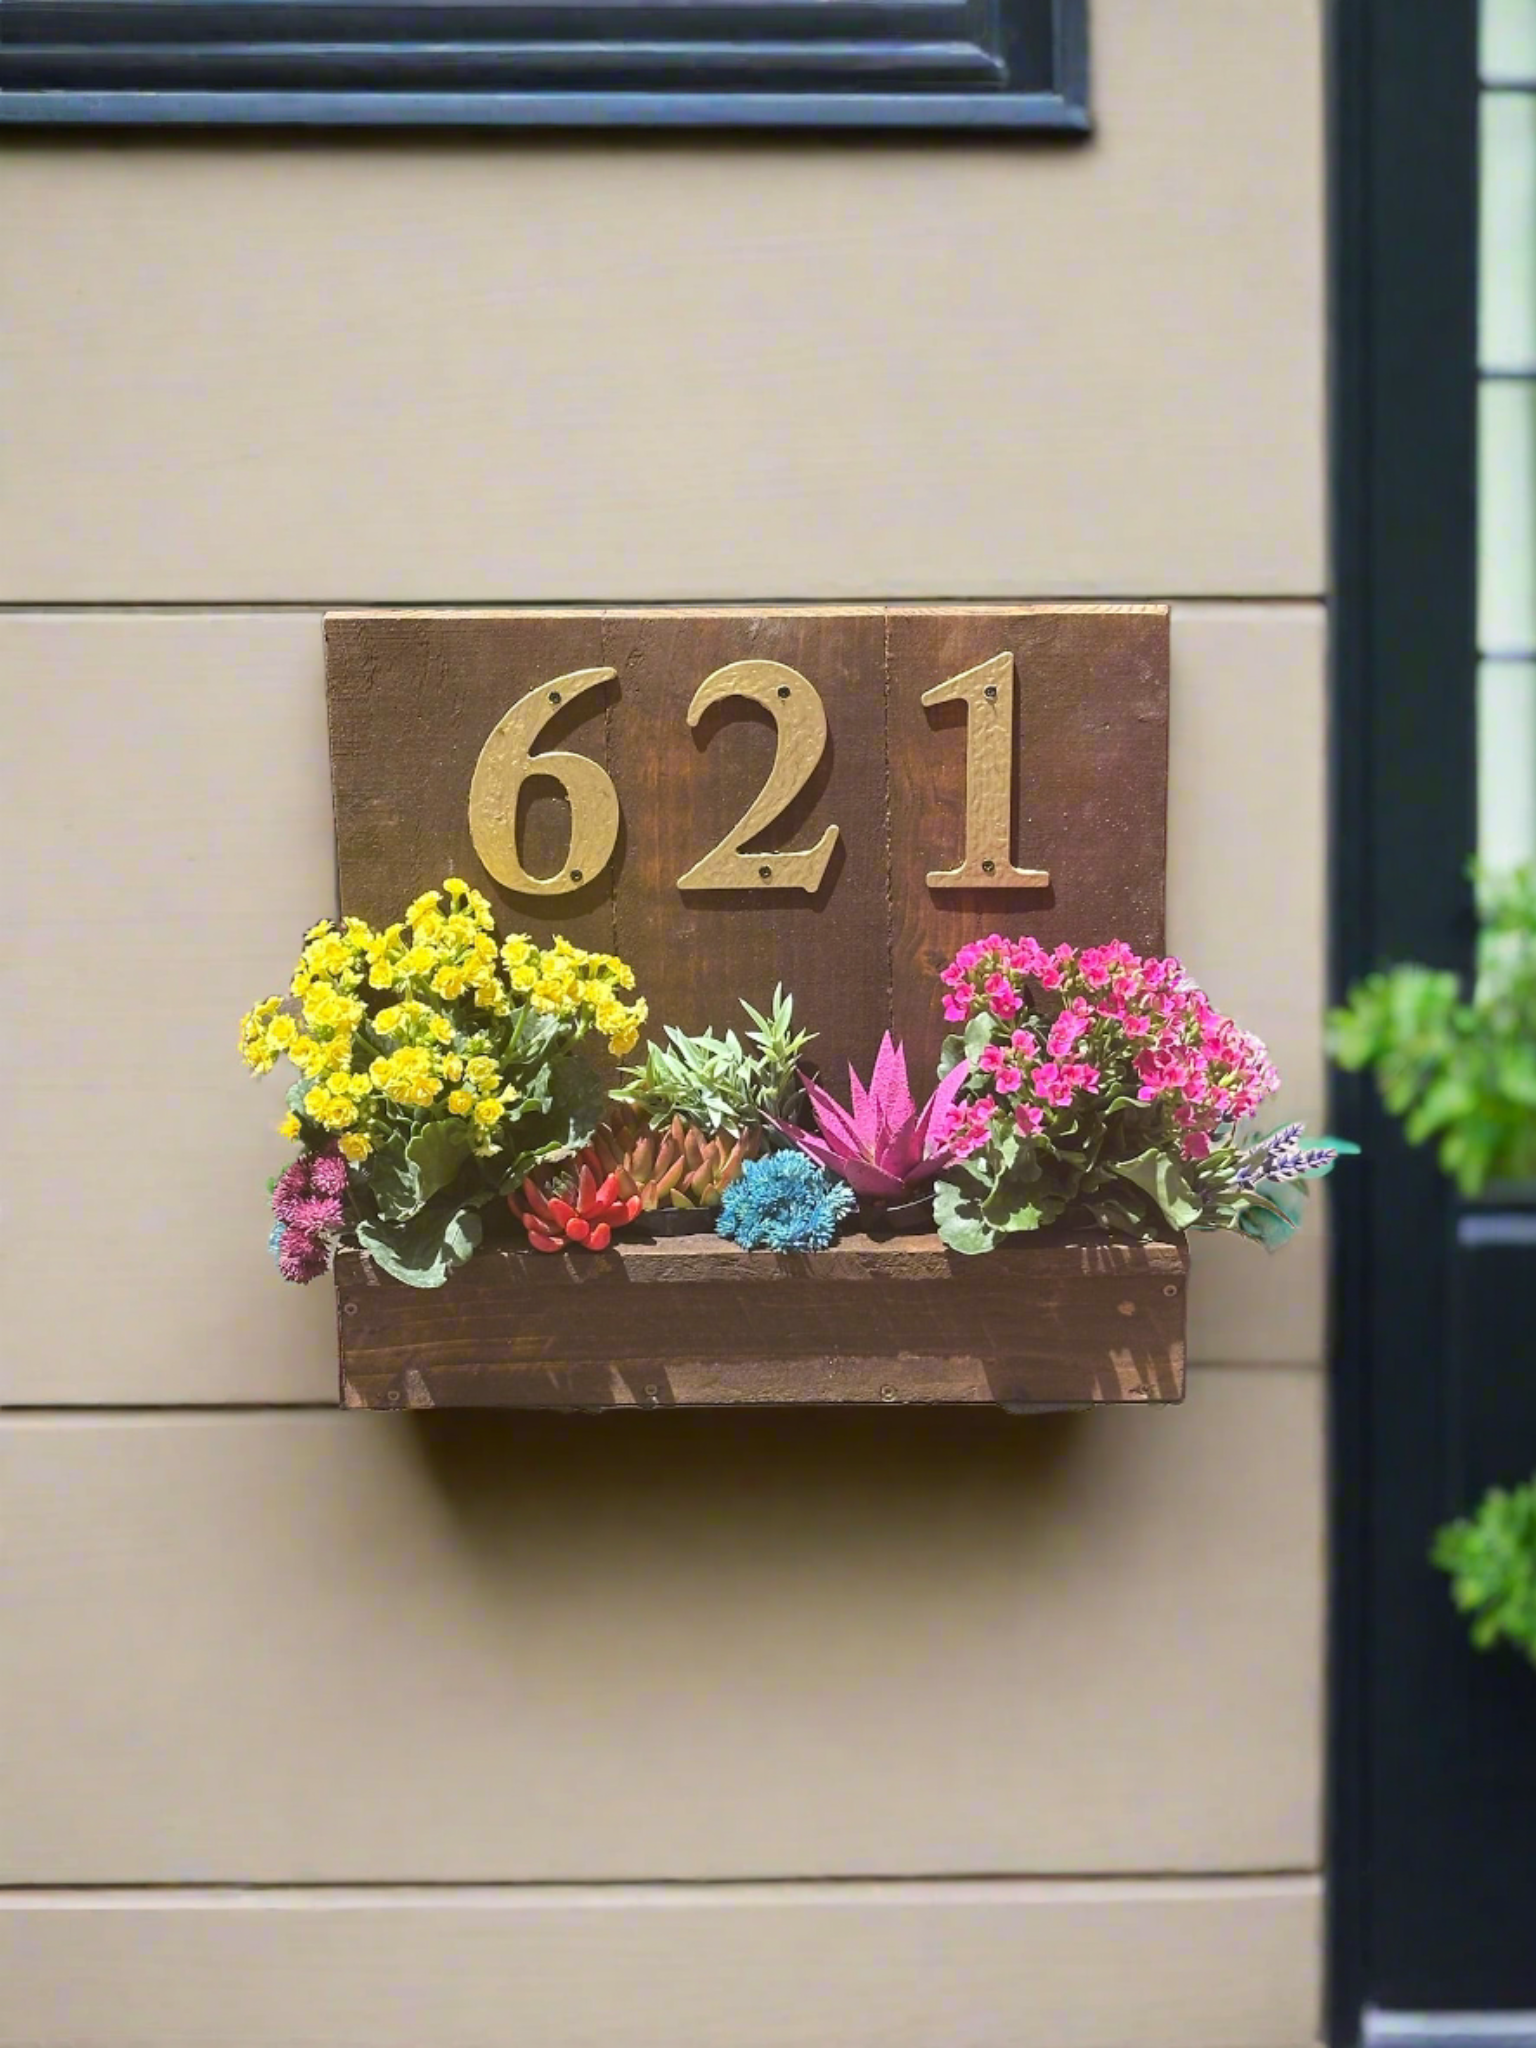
(1432, 1779)
(956, 64)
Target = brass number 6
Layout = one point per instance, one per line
(507, 761)
(801, 722)
(987, 694)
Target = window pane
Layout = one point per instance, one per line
(1507, 256)
(1506, 531)
(1509, 39)
(1506, 763)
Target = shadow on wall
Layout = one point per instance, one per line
(768, 1493)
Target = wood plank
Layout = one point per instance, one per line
(224, 731)
(288, 1645)
(696, 952)
(1089, 787)
(1072, 1321)
(999, 1964)
(413, 698)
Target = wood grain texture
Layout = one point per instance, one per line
(695, 952)
(682, 1323)
(218, 722)
(1089, 788)
(316, 1647)
(576, 368)
(1004, 1964)
(413, 698)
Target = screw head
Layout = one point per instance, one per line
(765, 874)
(988, 867)
(394, 1397)
(1170, 1291)
(554, 696)
(990, 693)
(783, 689)
(349, 1308)
(575, 874)
(889, 1393)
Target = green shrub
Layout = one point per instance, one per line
(1491, 1557)
(1458, 1068)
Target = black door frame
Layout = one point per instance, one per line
(1427, 1900)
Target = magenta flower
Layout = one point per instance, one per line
(328, 1173)
(884, 1146)
(301, 1256)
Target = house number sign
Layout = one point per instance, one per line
(507, 761)
(831, 797)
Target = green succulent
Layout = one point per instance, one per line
(717, 1083)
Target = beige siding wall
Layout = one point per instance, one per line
(749, 1731)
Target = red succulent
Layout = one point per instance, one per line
(585, 1213)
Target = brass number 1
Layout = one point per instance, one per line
(987, 694)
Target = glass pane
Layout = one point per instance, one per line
(1506, 763)
(1509, 39)
(1506, 530)
(1507, 255)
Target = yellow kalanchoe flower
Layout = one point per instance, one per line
(393, 1028)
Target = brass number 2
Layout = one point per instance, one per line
(797, 713)
(987, 694)
(507, 761)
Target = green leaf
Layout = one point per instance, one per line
(390, 1178)
(958, 1219)
(436, 1153)
(1128, 1213)
(426, 1248)
(1272, 1214)
(1162, 1178)
(951, 1053)
(1008, 1210)
(978, 1035)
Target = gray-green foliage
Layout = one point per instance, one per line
(718, 1083)
(1459, 1069)
(420, 1193)
(1491, 1557)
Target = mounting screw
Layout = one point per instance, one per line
(988, 867)
(783, 689)
(889, 1393)
(575, 874)
(990, 693)
(652, 1391)
(765, 874)
(394, 1397)
(554, 696)
(349, 1308)
(1170, 1291)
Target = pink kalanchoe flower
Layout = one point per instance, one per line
(967, 1127)
(884, 1145)
(1029, 1117)
(301, 1256)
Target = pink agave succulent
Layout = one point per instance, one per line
(884, 1146)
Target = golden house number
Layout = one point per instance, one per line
(507, 761)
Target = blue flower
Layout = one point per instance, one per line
(784, 1203)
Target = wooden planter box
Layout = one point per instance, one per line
(1070, 1319)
